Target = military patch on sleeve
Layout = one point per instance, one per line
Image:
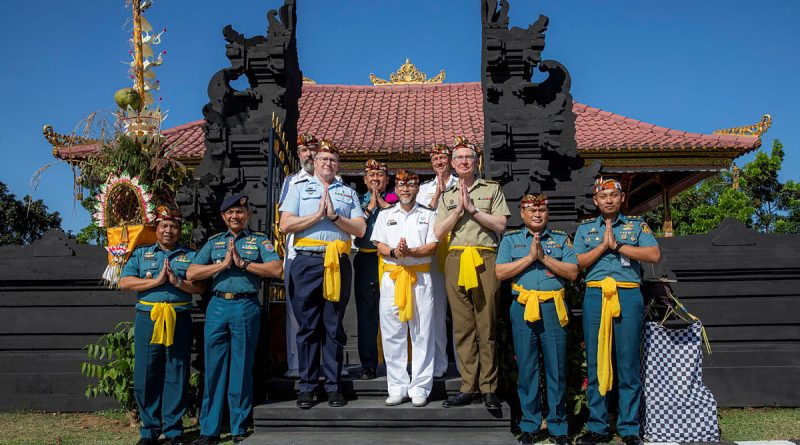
(568, 242)
(646, 228)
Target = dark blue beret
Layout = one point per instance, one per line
(234, 200)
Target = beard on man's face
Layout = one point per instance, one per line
(308, 166)
(406, 201)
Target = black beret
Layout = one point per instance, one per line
(234, 200)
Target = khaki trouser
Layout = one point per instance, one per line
(474, 321)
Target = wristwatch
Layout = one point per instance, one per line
(391, 254)
(619, 246)
(178, 284)
(475, 212)
(245, 263)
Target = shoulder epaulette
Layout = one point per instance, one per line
(259, 233)
(634, 218)
(512, 231)
(450, 187)
(217, 235)
(302, 180)
(489, 181)
(429, 180)
(590, 220)
(560, 232)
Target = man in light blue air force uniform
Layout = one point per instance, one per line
(323, 213)
(611, 248)
(538, 260)
(162, 329)
(236, 260)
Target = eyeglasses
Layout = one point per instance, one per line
(404, 184)
(327, 160)
(464, 158)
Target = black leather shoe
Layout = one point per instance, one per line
(174, 441)
(146, 441)
(592, 438)
(561, 440)
(367, 374)
(336, 399)
(462, 399)
(206, 440)
(632, 440)
(491, 401)
(305, 400)
(239, 438)
(526, 438)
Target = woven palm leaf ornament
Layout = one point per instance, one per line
(126, 210)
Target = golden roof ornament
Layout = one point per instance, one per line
(408, 74)
(749, 130)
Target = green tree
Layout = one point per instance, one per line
(702, 207)
(755, 197)
(776, 204)
(23, 221)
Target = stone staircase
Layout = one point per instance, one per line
(367, 420)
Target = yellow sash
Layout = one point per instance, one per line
(470, 260)
(332, 282)
(405, 277)
(610, 309)
(163, 314)
(531, 299)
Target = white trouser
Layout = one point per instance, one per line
(440, 361)
(394, 336)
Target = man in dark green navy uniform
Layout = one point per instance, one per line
(538, 260)
(611, 248)
(236, 260)
(162, 329)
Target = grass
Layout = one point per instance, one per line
(98, 428)
(759, 423)
(112, 428)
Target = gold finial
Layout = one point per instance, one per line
(407, 74)
(308, 80)
(749, 130)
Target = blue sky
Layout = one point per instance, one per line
(689, 65)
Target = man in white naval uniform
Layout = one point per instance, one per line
(404, 237)
(429, 194)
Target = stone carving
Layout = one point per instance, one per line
(529, 137)
(238, 123)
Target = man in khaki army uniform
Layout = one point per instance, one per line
(474, 212)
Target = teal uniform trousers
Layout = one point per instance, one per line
(160, 376)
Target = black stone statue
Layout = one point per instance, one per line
(529, 125)
(237, 124)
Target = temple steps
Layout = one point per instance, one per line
(367, 420)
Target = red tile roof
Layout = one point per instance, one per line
(409, 118)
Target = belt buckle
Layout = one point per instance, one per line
(229, 295)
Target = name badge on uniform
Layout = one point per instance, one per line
(218, 244)
(517, 246)
(391, 222)
(183, 259)
(624, 261)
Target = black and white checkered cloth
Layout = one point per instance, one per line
(676, 407)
